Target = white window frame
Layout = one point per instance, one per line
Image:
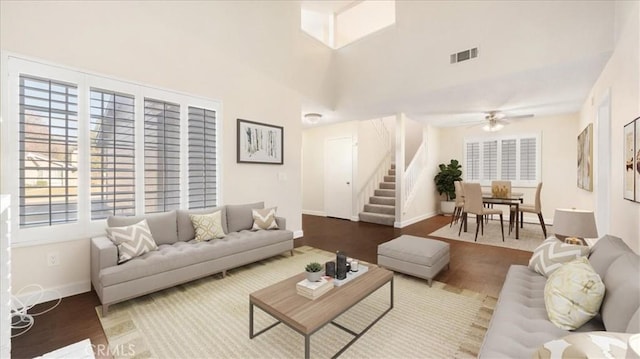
(12, 65)
(514, 183)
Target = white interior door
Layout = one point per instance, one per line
(338, 177)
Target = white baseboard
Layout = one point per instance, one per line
(298, 234)
(355, 218)
(50, 294)
(314, 213)
(413, 220)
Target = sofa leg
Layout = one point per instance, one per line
(105, 310)
(224, 273)
(291, 251)
(429, 281)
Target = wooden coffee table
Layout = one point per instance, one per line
(307, 316)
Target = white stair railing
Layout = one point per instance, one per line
(373, 181)
(383, 131)
(378, 174)
(412, 174)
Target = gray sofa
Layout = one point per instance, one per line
(520, 324)
(179, 257)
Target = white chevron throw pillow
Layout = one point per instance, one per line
(132, 241)
(264, 219)
(553, 253)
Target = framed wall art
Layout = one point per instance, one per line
(260, 143)
(630, 158)
(585, 158)
(637, 159)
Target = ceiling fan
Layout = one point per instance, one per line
(496, 120)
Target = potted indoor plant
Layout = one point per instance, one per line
(314, 271)
(445, 184)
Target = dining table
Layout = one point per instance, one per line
(515, 199)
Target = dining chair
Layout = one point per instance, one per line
(502, 189)
(473, 204)
(457, 212)
(535, 208)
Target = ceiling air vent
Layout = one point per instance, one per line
(464, 55)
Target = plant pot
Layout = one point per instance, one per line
(447, 207)
(314, 276)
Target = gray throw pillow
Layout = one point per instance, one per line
(162, 225)
(186, 232)
(239, 217)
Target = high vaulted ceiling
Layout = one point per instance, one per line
(539, 57)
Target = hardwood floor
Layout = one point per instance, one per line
(476, 267)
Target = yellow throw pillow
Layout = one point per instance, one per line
(573, 294)
(207, 226)
(264, 219)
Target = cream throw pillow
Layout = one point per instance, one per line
(585, 345)
(573, 294)
(264, 219)
(553, 253)
(132, 241)
(207, 226)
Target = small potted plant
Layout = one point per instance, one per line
(314, 271)
(445, 184)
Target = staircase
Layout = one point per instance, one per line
(381, 208)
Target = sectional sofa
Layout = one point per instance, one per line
(520, 324)
(179, 258)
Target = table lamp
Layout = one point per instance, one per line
(574, 225)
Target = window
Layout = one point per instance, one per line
(516, 159)
(161, 156)
(112, 154)
(202, 158)
(48, 152)
(79, 147)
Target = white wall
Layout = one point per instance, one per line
(249, 55)
(621, 77)
(367, 156)
(425, 202)
(313, 160)
(413, 132)
(559, 158)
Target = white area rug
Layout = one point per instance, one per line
(530, 235)
(210, 318)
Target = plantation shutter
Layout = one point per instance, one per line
(528, 161)
(202, 158)
(112, 154)
(508, 160)
(161, 156)
(48, 152)
(472, 172)
(490, 160)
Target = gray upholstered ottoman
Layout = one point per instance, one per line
(416, 256)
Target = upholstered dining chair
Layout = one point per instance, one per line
(457, 212)
(473, 205)
(501, 189)
(535, 208)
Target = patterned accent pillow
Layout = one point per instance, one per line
(207, 226)
(132, 241)
(553, 253)
(573, 294)
(585, 345)
(264, 219)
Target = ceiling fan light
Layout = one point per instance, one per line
(492, 127)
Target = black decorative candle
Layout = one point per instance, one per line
(330, 269)
(341, 265)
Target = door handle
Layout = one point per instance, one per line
(348, 182)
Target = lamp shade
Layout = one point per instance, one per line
(575, 223)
